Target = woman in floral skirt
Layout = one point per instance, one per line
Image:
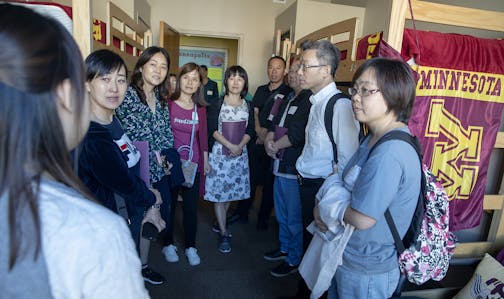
(230, 127)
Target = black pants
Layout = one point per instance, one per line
(190, 214)
(163, 186)
(260, 174)
(308, 188)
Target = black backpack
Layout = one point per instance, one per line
(328, 118)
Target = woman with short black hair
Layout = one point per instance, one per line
(388, 177)
(229, 177)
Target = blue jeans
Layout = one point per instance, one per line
(349, 284)
(288, 213)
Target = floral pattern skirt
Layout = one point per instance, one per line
(228, 179)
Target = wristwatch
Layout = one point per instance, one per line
(156, 206)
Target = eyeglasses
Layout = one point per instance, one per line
(303, 66)
(363, 92)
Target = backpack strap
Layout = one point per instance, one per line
(413, 141)
(328, 121)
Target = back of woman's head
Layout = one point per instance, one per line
(395, 80)
(199, 96)
(38, 57)
(136, 76)
(102, 62)
(236, 70)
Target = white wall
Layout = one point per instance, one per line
(99, 8)
(251, 21)
(312, 16)
(287, 20)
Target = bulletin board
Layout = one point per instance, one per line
(215, 59)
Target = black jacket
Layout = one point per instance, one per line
(104, 170)
(213, 112)
(295, 123)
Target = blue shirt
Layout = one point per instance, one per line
(389, 178)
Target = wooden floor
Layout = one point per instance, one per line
(243, 273)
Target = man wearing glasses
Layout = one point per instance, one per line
(319, 62)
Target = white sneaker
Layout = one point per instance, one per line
(192, 256)
(170, 253)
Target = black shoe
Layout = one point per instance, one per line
(151, 276)
(216, 228)
(283, 270)
(275, 255)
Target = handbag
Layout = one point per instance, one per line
(189, 168)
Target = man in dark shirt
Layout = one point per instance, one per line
(266, 102)
(284, 143)
(210, 86)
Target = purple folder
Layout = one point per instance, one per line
(233, 131)
(143, 148)
(275, 107)
(279, 133)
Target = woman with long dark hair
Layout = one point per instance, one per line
(55, 242)
(144, 116)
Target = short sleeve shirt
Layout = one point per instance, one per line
(263, 101)
(389, 178)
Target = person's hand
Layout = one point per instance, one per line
(262, 133)
(167, 166)
(271, 149)
(206, 168)
(161, 159)
(157, 195)
(235, 150)
(318, 221)
(153, 216)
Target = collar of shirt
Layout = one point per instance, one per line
(324, 94)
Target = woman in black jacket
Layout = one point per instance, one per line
(109, 163)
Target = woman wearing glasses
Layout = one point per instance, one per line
(383, 93)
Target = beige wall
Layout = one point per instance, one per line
(377, 17)
(312, 15)
(252, 22)
(99, 8)
(287, 20)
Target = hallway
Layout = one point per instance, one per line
(243, 273)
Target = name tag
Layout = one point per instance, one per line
(210, 92)
(292, 110)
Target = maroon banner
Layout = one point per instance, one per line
(457, 113)
(368, 45)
